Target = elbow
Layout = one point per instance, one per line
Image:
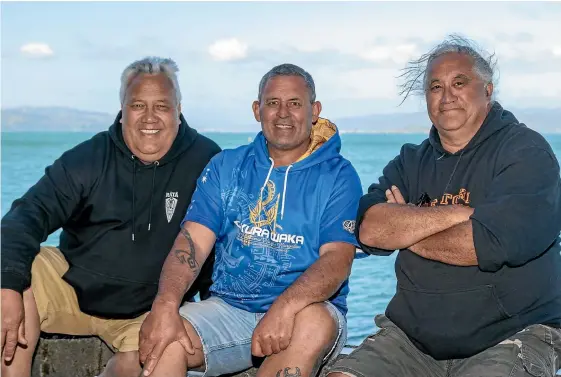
(379, 238)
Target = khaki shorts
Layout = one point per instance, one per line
(59, 311)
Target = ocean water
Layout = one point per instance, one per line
(372, 282)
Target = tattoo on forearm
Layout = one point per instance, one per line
(187, 256)
(288, 374)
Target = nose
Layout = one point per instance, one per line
(448, 96)
(282, 111)
(148, 116)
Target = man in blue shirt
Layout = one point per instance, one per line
(280, 211)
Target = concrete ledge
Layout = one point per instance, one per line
(64, 356)
(69, 356)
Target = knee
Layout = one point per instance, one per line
(123, 364)
(316, 322)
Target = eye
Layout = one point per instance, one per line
(137, 106)
(272, 103)
(295, 104)
(162, 107)
(459, 84)
(435, 87)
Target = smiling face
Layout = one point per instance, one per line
(457, 98)
(150, 116)
(286, 114)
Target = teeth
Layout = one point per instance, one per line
(150, 132)
(283, 126)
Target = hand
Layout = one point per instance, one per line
(161, 327)
(273, 333)
(13, 322)
(393, 195)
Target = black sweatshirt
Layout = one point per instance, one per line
(509, 174)
(119, 219)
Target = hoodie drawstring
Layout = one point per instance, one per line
(133, 194)
(284, 188)
(156, 163)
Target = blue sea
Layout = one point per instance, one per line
(25, 156)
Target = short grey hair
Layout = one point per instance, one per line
(288, 70)
(152, 65)
(415, 78)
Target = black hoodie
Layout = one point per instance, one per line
(119, 219)
(509, 174)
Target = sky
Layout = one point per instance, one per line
(72, 54)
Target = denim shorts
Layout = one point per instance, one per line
(226, 332)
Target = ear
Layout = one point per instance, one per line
(316, 110)
(489, 90)
(255, 107)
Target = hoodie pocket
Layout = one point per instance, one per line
(448, 324)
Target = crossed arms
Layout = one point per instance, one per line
(443, 234)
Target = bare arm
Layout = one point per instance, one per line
(393, 226)
(452, 246)
(182, 266)
(321, 280)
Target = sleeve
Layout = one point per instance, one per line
(43, 209)
(338, 218)
(206, 203)
(393, 174)
(521, 214)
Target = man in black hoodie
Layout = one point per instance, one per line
(119, 198)
(475, 212)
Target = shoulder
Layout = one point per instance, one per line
(87, 154)
(519, 143)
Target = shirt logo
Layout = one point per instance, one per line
(171, 203)
(349, 226)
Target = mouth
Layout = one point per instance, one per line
(283, 126)
(149, 132)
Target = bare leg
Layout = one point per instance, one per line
(175, 361)
(20, 366)
(314, 334)
(123, 364)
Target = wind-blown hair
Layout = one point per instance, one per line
(414, 76)
(151, 65)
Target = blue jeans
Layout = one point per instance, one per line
(226, 332)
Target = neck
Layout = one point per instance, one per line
(287, 157)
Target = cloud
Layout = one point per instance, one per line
(398, 54)
(228, 50)
(556, 51)
(36, 50)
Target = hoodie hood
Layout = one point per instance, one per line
(325, 144)
(496, 120)
(185, 137)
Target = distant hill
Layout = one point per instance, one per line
(542, 120)
(33, 119)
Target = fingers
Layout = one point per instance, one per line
(284, 343)
(4, 331)
(11, 343)
(275, 345)
(153, 358)
(397, 195)
(389, 196)
(21, 333)
(256, 348)
(185, 341)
